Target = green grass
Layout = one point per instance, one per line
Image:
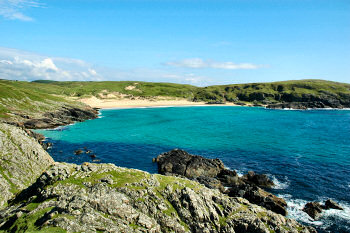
(43, 95)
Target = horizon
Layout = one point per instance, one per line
(281, 81)
(200, 43)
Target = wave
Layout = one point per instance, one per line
(280, 184)
(60, 128)
(239, 173)
(327, 219)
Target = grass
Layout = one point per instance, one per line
(43, 95)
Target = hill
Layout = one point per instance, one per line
(21, 100)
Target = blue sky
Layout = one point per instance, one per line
(193, 41)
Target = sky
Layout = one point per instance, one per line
(198, 42)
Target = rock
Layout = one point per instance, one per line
(260, 180)
(313, 209)
(213, 174)
(65, 115)
(93, 156)
(182, 163)
(258, 196)
(75, 198)
(210, 182)
(78, 152)
(22, 160)
(330, 204)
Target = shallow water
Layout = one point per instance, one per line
(307, 153)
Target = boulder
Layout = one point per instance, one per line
(260, 180)
(78, 152)
(182, 163)
(330, 204)
(313, 209)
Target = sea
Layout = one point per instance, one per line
(305, 152)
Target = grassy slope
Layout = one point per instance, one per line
(273, 91)
(40, 96)
(27, 99)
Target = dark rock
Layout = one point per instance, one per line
(78, 152)
(213, 174)
(330, 204)
(313, 209)
(66, 115)
(210, 182)
(260, 197)
(93, 156)
(260, 180)
(182, 163)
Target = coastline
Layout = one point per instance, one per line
(141, 103)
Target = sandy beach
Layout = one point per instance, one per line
(134, 103)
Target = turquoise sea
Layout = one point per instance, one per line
(306, 153)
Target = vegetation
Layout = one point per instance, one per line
(43, 95)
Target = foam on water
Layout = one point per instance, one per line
(294, 208)
(327, 219)
(280, 184)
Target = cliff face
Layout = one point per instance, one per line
(104, 197)
(22, 161)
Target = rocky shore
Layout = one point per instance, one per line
(61, 197)
(213, 174)
(63, 115)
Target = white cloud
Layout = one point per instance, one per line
(198, 63)
(13, 9)
(21, 65)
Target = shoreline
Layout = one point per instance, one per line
(144, 103)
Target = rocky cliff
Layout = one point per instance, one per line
(22, 161)
(106, 198)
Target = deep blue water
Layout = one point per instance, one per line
(307, 153)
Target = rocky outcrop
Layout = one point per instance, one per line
(22, 161)
(315, 209)
(104, 197)
(66, 115)
(213, 174)
(304, 105)
(330, 204)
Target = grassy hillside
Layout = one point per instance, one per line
(28, 99)
(40, 96)
(287, 91)
(146, 89)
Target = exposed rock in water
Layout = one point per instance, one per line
(78, 152)
(66, 115)
(330, 204)
(103, 197)
(182, 163)
(213, 174)
(22, 160)
(306, 105)
(314, 209)
(260, 180)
